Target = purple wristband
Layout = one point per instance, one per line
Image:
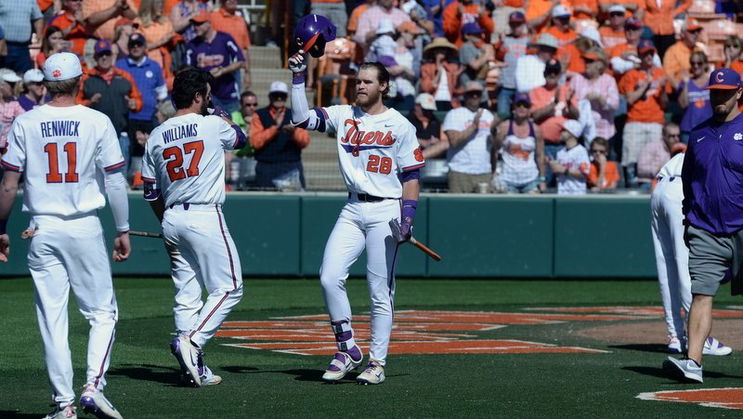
(408, 210)
(298, 78)
(3, 226)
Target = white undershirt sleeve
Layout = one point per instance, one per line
(118, 199)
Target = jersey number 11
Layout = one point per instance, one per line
(54, 176)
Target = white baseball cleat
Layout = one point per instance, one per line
(713, 346)
(339, 366)
(674, 345)
(208, 378)
(684, 368)
(94, 402)
(189, 357)
(67, 412)
(373, 373)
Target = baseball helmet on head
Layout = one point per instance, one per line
(312, 33)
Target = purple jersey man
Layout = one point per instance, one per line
(217, 53)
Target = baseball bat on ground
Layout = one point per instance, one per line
(425, 249)
(145, 234)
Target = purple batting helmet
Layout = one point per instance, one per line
(312, 33)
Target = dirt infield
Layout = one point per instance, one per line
(728, 331)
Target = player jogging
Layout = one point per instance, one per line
(184, 182)
(69, 156)
(380, 161)
(712, 177)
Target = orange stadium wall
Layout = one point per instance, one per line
(478, 236)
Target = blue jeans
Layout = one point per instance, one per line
(125, 144)
(550, 150)
(522, 188)
(228, 107)
(18, 58)
(505, 96)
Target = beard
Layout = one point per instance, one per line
(721, 111)
(205, 106)
(367, 99)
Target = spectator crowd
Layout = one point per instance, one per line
(512, 96)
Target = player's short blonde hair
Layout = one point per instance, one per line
(63, 87)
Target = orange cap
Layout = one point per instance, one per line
(202, 17)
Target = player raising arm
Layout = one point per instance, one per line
(69, 155)
(380, 161)
(184, 182)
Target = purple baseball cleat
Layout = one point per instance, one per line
(188, 356)
(340, 365)
(713, 346)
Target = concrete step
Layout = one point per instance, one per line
(265, 57)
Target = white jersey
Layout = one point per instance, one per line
(374, 149)
(473, 156)
(184, 159)
(63, 152)
(575, 158)
(672, 168)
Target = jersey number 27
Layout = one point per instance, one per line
(174, 158)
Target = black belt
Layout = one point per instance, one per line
(366, 198)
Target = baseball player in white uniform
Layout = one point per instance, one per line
(672, 255)
(380, 161)
(70, 157)
(184, 182)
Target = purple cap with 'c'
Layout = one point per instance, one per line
(724, 79)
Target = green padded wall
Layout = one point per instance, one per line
(284, 235)
(603, 236)
(481, 236)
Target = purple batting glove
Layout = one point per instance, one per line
(407, 216)
(406, 230)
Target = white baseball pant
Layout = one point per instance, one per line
(70, 252)
(363, 225)
(200, 234)
(187, 292)
(671, 253)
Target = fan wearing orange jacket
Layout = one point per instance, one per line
(462, 12)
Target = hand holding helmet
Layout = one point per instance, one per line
(312, 33)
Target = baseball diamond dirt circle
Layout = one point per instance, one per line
(726, 398)
(450, 332)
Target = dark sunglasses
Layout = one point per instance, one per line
(103, 54)
(136, 44)
(279, 96)
(523, 105)
(249, 104)
(615, 14)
